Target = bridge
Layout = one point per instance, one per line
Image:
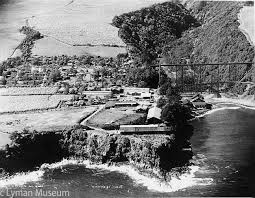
(212, 77)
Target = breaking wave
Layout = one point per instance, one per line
(216, 110)
(22, 178)
(185, 180)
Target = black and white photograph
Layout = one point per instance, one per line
(127, 98)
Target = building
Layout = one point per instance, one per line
(199, 102)
(110, 104)
(151, 128)
(142, 109)
(154, 116)
(135, 91)
(100, 94)
(126, 104)
(146, 95)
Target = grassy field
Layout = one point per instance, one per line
(51, 120)
(121, 115)
(33, 102)
(14, 91)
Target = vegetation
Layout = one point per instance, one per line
(207, 33)
(28, 43)
(174, 113)
(147, 30)
(217, 40)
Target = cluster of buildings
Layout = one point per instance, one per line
(93, 73)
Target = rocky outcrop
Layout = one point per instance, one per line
(148, 152)
(29, 150)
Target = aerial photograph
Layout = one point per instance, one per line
(127, 98)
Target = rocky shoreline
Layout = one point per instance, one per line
(149, 153)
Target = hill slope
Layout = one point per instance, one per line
(218, 39)
(211, 34)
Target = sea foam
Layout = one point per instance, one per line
(216, 110)
(20, 179)
(185, 180)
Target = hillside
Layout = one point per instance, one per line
(218, 39)
(148, 30)
(211, 35)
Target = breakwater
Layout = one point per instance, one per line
(155, 154)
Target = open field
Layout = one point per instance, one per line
(26, 103)
(122, 115)
(52, 120)
(14, 91)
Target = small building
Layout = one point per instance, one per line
(154, 116)
(100, 94)
(186, 102)
(151, 128)
(146, 96)
(199, 102)
(135, 91)
(126, 104)
(142, 109)
(110, 104)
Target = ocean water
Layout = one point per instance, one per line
(65, 22)
(223, 165)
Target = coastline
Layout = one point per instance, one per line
(246, 102)
(245, 16)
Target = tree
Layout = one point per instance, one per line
(161, 102)
(1, 70)
(148, 30)
(164, 87)
(173, 95)
(55, 75)
(175, 114)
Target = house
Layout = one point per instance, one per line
(154, 115)
(65, 68)
(110, 104)
(151, 128)
(35, 69)
(135, 91)
(126, 104)
(142, 109)
(100, 94)
(146, 95)
(186, 102)
(199, 102)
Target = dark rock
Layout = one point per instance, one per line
(29, 150)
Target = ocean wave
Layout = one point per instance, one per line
(216, 110)
(239, 105)
(21, 179)
(185, 180)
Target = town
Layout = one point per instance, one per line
(94, 81)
